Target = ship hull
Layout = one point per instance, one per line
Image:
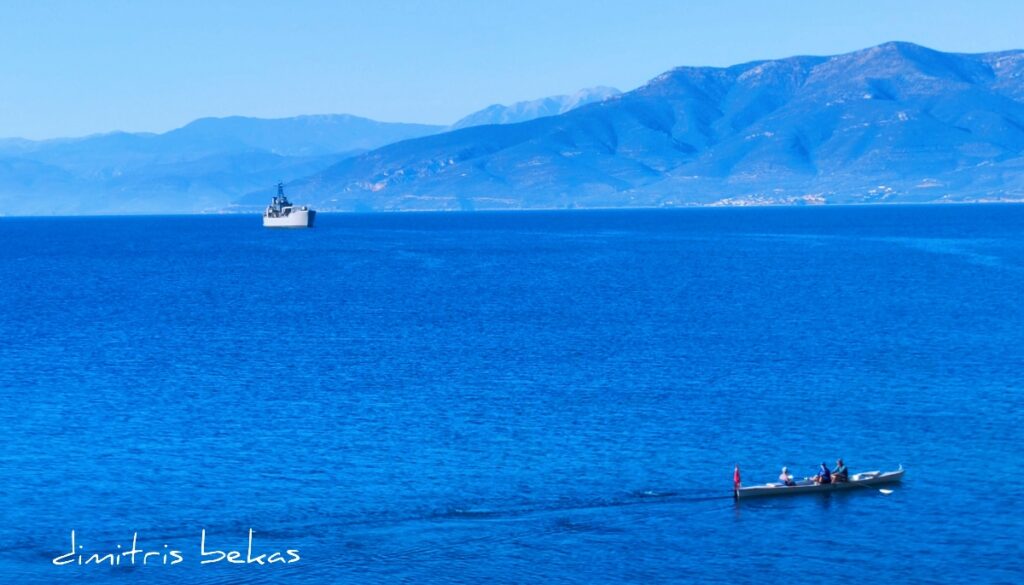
(295, 219)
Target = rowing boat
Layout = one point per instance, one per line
(807, 486)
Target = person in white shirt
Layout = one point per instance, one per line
(785, 478)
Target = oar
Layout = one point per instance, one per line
(882, 491)
(886, 492)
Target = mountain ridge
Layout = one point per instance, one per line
(895, 122)
(524, 111)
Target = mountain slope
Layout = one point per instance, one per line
(897, 122)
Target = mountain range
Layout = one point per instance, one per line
(893, 123)
(202, 166)
(208, 164)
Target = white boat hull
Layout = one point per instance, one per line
(859, 480)
(296, 219)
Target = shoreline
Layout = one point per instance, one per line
(506, 210)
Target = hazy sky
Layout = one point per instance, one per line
(77, 67)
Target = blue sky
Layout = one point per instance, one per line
(75, 68)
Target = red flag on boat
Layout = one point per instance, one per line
(736, 478)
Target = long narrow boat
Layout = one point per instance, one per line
(807, 486)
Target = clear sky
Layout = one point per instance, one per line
(79, 67)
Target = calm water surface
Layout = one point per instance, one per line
(515, 397)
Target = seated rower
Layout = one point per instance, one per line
(785, 478)
(840, 474)
(824, 476)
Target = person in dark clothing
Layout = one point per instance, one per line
(840, 473)
(824, 476)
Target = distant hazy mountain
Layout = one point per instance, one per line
(897, 122)
(299, 136)
(530, 110)
(200, 167)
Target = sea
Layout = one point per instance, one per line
(512, 397)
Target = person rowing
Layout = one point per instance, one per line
(785, 478)
(840, 474)
(824, 476)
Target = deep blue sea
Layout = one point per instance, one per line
(531, 397)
